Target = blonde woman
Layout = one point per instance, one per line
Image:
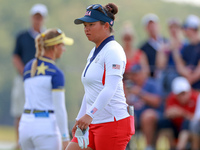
(44, 120)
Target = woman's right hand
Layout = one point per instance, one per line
(84, 122)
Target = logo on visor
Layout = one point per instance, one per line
(88, 13)
(111, 22)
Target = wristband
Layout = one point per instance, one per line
(65, 137)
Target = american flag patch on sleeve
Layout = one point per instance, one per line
(94, 110)
(115, 66)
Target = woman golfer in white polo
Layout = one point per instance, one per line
(44, 121)
(104, 107)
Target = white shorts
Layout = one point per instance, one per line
(39, 133)
(17, 97)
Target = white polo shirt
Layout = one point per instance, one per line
(38, 89)
(45, 91)
(111, 60)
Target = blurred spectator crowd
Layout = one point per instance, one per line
(162, 81)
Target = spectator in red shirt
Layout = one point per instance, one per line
(180, 108)
(133, 54)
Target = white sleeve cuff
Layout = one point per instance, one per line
(61, 113)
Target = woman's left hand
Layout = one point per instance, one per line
(84, 122)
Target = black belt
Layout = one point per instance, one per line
(28, 111)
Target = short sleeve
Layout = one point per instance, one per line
(17, 48)
(115, 62)
(153, 87)
(58, 81)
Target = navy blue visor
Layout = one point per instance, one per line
(92, 15)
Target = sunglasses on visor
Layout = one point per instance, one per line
(96, 6)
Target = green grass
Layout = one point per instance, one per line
(7, 134)
(138, 142)
(7, 138)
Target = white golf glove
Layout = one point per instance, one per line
(83, 137)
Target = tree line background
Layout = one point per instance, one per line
(14, 17)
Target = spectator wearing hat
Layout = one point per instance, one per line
(24, 51)
(133, 55)
(180, 108)
(142, 92)
(154, 41)
(188, 61)
(164, 60)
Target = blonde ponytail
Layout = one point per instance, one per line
(39, 45)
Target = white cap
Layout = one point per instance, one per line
(39, 8)
(127, 29)
(174, 21)
(192, 21)
(180, 84)
(149, 17)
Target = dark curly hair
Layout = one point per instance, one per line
(111, 9)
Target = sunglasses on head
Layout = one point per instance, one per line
(96, 6)
(59, 31)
